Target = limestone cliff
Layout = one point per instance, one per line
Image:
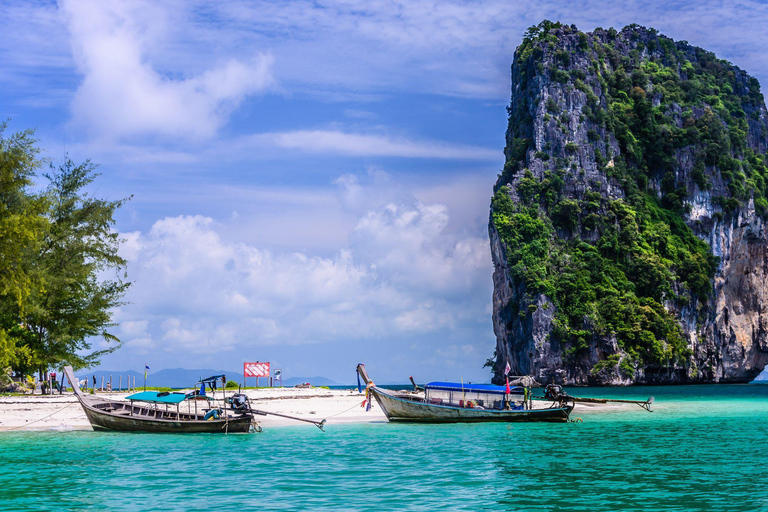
(628, 227)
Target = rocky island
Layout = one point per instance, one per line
(628, 226)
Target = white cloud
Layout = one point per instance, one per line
(361, 195)
(358, 144)
(400, 275)
(123, 95)
(362, 49)
(465, 48)
(133, 328)
(424, 318)
(406, 243)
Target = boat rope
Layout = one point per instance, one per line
(44, 417)
(347, 410)
(368, 402)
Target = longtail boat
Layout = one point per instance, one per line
(453, 402)
(150, 411)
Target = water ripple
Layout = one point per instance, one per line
(701, 450)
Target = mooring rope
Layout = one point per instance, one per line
(41, 419)
(346, 410)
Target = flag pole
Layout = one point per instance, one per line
(145, 376)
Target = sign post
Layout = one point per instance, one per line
(256, 369)
(279, 376)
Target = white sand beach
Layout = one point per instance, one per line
(63, 412)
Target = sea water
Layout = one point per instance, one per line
(703, 448)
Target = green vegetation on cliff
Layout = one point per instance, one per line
(610, 263)
(613, 287)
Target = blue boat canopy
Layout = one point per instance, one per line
(476, 388)
(213, 378)
(161, 398)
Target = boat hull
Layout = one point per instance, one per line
(123, 416)
(101, 420)
(405, 410)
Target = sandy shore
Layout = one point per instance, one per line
(63, 412)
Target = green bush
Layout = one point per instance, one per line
(566, 214)
(552, 106)
(560, 76)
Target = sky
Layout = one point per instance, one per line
(309, 180)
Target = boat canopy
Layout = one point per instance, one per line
(474, 388)
(161, 398)
(213, 378)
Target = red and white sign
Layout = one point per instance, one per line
(256, 369)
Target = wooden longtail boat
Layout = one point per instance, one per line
(451, 402)
(154, 412)
(149, 411)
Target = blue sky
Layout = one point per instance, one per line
(310, 180)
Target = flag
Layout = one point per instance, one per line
(508, 390)
(507, 369)
(146, 367)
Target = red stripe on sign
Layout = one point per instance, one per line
(256, 369)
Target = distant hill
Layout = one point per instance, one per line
(183, 378)
(763, 377)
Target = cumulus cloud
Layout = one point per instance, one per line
(405, 242)
(400, 275)
(123, 95)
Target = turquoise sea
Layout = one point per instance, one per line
(703, 448)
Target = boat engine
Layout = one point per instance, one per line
(552, 391)
(239, 403)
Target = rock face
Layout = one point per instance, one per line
(628, 227)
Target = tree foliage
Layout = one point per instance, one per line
(22, 227)
(57, 252)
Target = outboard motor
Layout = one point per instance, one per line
(552, 391)
(239, 403)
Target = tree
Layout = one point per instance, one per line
(75, 302)
(22, 228)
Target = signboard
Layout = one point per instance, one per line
(279, 376)
(256, 369)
